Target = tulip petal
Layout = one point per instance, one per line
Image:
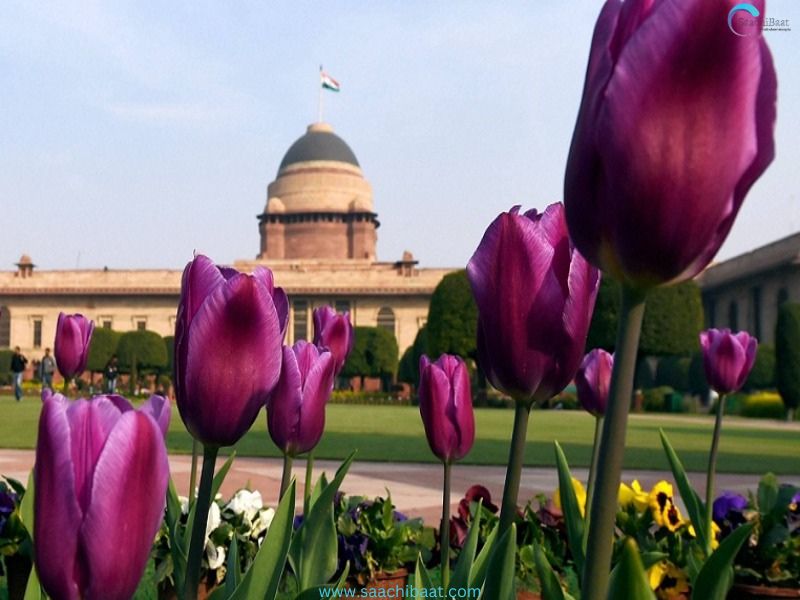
(128, 498)
(435, 394)
(316, 392)
(283, 412)
(464, 417)
(200, 277)
(159, 408)
(232, 361)
(57, 513)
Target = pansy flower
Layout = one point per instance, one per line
(668, 581)
(662, 505)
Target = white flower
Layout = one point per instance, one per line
(246, 503)
(215, 555)
(214, 518)
(184, 504)
(263, 522)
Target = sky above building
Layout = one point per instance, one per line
(134, 133)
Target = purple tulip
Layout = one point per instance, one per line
(228, 338)
(727, 503)
(535, 295)
(71, 348)
(445, 403)
(593, 381)
(296, 410)
(659, 165)
(728, 358)
(101, 479)
(334, 332)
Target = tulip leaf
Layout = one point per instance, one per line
(33, 590)
(326, 591)
(26, 506)
(422, 579)
(500, 571)
(629, 579)
(233, 573)
(177, 545)
(694, 506)
(716, 576)
(570, 508)
(478, 573)
(264, 575)
(313, 552)
(551, 586)
(466, 558)
(216, 483)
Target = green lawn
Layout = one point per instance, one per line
(394, 433)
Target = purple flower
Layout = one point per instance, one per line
(659, 166)
(728, 358)
(101, 479)
(8, 504)
(296, 410)
(334, 332)
(726, 503)
(445, 403)
(228, 338)
(535, 295)
(593, 381)
(71, 347)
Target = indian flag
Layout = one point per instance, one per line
(328, 82)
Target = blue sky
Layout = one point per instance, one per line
(132, 134)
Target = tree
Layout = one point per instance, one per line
(673, 371)
(169, 344)
(102, 347)
(408, 371)
(374, 354)
(762, 377)
(141, 350)
(698, 383)
(452, 318)
(673, 319)
(787, 356)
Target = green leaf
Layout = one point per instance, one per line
(694, 506)
(716, 576)
(233, 575)
(551, 586)
(463, 568)
(264, 575)
(422, 579)
(177, 545)
(571, 510)
(34, 591)
(321, 592)
(313, 552)
(629, 579)
(651, 558)
(500, 572)
(26, 506)
(216, 483)
(478, 573)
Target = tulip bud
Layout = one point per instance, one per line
(334, 332)
(593, 381)
(535, 295)
(228, 338)
(71, 347)
(728, 358)
(659, 166)
(445, 403)
(296, 409)
(101, 479)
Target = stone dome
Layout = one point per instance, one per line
(318, 143)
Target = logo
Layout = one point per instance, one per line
(743, 21)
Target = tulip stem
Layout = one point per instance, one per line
(201, 507)
(193, 474)
(309, 482)
(598, 429)
(286, 479)
(444, 530)
(66, 386)
(712, 468)
(514, 471)
(611, 448)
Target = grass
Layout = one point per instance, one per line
(395, 433)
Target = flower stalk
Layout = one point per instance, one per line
(286, 479)
(445, 527)
(712, 468)
(202, 505)
(598, 430)
(514, 472)
(611, 449)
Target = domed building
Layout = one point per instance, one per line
(317, 232)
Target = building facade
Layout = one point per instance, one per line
(318, 234)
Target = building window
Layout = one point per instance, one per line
(5, 327)
(755, 301)
(733, 316)
(300, 329)
(386, 319)
(342, 306)
(783, 297)
(37, 333)
(141, 323)
(106, 322)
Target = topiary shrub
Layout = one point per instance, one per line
(102, 347)
(141, 350)
(762, 377)
(673, 371)
(787, 356)
(5, 366)
(374, 354)
(764, 405)
(654, 399)
(698, 384)
(452, 318)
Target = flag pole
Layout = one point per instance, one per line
(319, 106)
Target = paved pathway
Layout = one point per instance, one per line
(415, 488)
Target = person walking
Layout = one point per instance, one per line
(111, 373)
(18, 362)
(48, 367)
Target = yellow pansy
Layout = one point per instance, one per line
(714, 529)
(668, 581)
(665, 513)
(580, 495)
(633, 494)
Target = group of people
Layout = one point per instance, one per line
(46, 368)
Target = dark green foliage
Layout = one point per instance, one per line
(787, 354)
(5, 366)
(103, 345)
(452, 318)
(673, 371)
(698, 384)
(672, 323)
(169, 344)
(374, 354)
(405, 370)
(644, 376)
(141, 350)
(762, 377)
(409, 364)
